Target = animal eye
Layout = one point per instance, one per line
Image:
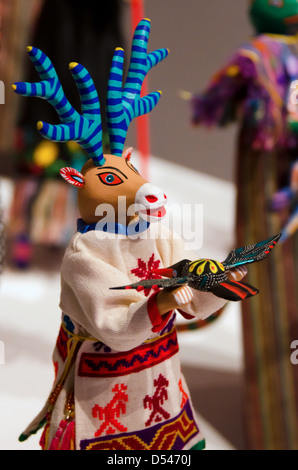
(110, 179)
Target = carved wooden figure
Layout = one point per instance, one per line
(118, 381)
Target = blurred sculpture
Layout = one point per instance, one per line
(256, 88)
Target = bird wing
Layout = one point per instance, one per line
(250, 253)
(148, 283)
(234, 290)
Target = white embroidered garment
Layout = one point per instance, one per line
(115, 352)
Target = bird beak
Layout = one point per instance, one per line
(166, 272)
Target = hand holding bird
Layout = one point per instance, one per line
(223, 279)
(181, 297)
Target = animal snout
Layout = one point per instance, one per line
(149, 195)
(150, 202)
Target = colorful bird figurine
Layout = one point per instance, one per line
(210, 275)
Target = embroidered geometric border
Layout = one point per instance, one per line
(119, 364)
(170, 435)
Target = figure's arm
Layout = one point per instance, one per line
(121, 319)
(192, 302)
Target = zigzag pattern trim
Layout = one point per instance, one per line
(120, 364)
(173, 434)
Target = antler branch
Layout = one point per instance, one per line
(86, 129)
(125, 103)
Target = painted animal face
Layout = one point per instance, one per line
(105, 179)
(275, 16)
(116, 184)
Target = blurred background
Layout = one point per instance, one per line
(193, 166)
(196, 51)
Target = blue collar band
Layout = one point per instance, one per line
(131, 229)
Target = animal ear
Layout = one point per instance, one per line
(73, 176)
(127, 153)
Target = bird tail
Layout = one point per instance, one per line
(234, 290)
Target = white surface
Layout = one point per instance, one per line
(30, 317)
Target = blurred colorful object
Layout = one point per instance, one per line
(287, 199)
(46, 217)
(258, 89)
(274, 16)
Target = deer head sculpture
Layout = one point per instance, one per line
(105, 177)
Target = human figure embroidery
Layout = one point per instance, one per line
(154, 403)
(117, 336)
(111, 411)
(184, 394)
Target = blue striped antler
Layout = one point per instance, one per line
(125, 103)
(86, 129)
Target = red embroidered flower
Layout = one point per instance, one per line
(144, 271)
